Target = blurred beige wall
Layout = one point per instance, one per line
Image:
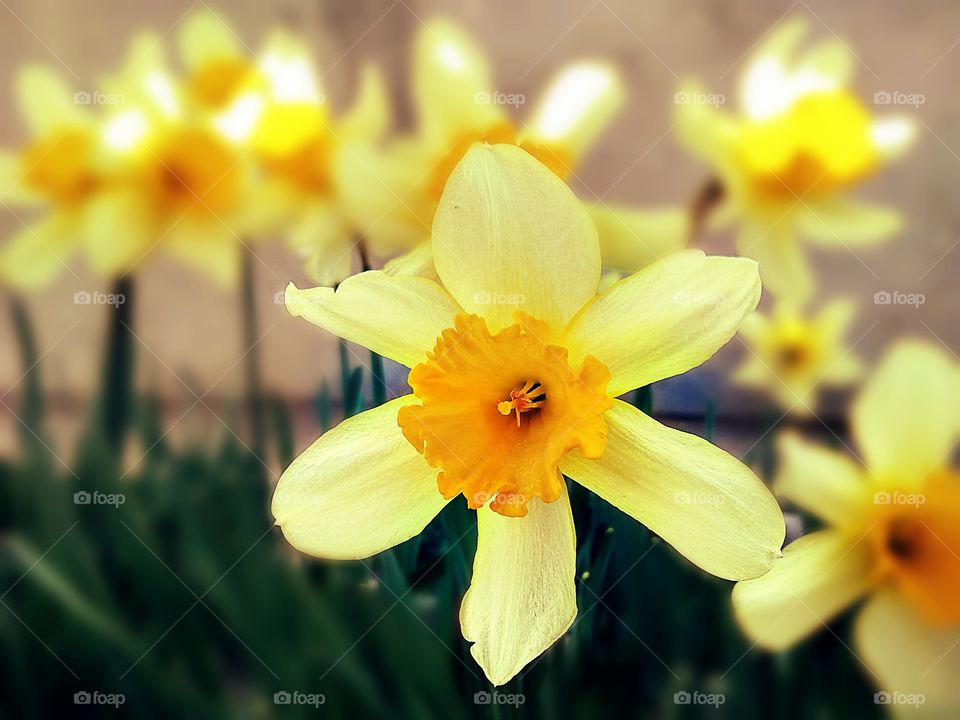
(190, 331)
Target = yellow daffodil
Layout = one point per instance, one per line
(516, 362)
(801, 140)
(178, 184)
(792, 354)
(893, 533)
(58, 174)
(395, 193)
(272, 107)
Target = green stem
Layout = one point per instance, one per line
(32, 408)
(117, 400)
(377, 378)
(252, 357)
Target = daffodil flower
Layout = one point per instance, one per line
(58, 174)
(892, 533)
(792, 354)
(800, 141)
(394, 193)
(272, 107)
(516, 363)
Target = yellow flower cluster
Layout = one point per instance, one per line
(518, 345)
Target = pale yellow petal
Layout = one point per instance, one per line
(380, 192)
(631, 239)
(204, 37)
(910, 657)
(522, 596)
(359, 489)
(703, 130)
(13, 190)
(322, 237)
(820, 480)
(905, 420)
(700, 499)
(369, 117)
(835, 318)
(47, 102)
(848, 223)
(784, 268)
(329, 264)
(398, 317)
(829, 59)
(819, 576)
(451, 83)
(506, 225)
(667, 319)
(39, 252)
(752, 373)
(418, 261)
(756, 329)
(577, 107)
(116, 230)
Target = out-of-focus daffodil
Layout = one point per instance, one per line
(272, 108)
(395, 193)
(58, 173)
(893, 533)
(179, 185)
(801, 140)
(792, 354)
(516, 362)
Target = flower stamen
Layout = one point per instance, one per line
(530, 396)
